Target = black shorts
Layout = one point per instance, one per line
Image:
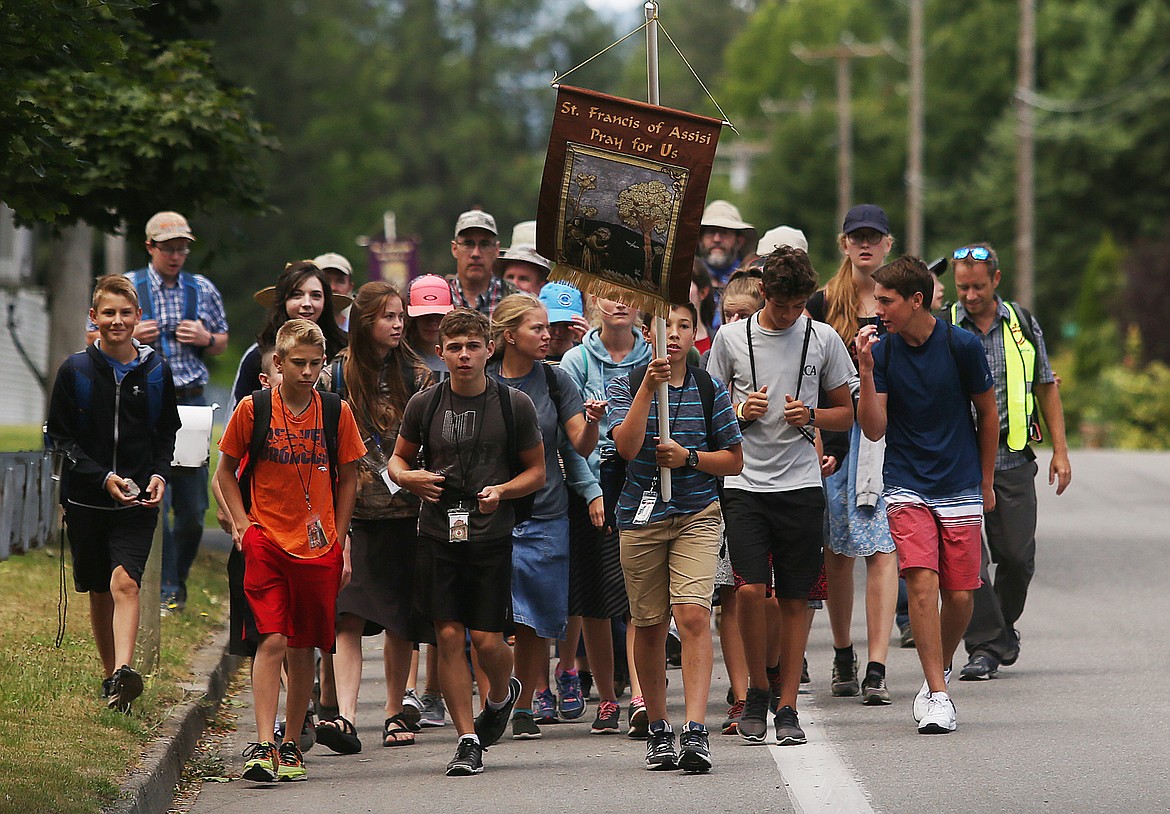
(469, 582)
(102, 539)
(788, 525)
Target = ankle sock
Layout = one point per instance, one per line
(773, 672)
(470, 737)
(844, 655)
(875, 668)
(498, 705)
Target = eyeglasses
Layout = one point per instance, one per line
(870, 237)
(979, 253)
(472, 245)
(180, 250)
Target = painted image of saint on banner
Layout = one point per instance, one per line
(619, 215)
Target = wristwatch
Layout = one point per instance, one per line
(812, 416)
(692, 458)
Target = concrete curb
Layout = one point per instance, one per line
(150, 787)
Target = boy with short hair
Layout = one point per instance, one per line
(918, 385)
(297, 559)
(113, 415)
(670, 550)
(469, 485)
(777, 362)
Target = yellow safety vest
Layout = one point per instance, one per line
(1021, 371)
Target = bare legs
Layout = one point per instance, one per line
(936, 633)
(113, 617)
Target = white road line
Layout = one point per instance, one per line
(816, 778)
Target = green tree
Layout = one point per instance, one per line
(421, 107)
(1097, 345)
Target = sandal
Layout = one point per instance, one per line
(393, 729)
(339, 735)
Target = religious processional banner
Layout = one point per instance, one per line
(622, 197)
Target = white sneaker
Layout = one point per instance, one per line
(924, 694)
(940, 715)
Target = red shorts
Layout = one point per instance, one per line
(942, 534)
(289, 595)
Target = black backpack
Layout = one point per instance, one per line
(262, 414)
(703, 382)
(521, 506)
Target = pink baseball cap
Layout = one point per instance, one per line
(429, 294)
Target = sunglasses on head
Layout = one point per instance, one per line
(980, 253)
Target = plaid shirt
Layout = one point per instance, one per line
(186, 362)
(485, 303)
(992, 342)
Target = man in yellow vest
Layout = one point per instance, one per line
(1014, 346)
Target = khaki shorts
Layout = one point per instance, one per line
(671, 562)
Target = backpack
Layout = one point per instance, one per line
(262, 421)
(190, 297)
(706, 387)
(703, 382)
(521, 506)
(83, 377)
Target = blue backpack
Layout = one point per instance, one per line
(83, 377)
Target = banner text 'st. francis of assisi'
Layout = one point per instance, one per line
(622, 197)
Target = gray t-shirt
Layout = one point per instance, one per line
(553, 498)
(468, 445)
(776, 457)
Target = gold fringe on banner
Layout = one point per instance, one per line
(590, 284)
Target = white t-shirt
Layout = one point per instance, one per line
(777, 457)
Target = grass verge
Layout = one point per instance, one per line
(61, 750)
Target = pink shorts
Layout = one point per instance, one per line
(289, 595)
(944, 534)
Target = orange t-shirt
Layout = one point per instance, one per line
(294, 461)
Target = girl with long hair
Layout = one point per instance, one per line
(856, 511)
(302, 291)
(597, 588)
(377, 374)
(540, 545)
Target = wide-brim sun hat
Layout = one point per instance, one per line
(266, 298)
(722, 214)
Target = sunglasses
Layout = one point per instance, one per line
(979, 253)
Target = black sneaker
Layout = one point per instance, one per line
(107, 687)
(788, 731)
(491, 723)
(981, 667)
(126, 686)
(845, 683)
(873, 690)
(694, 749)
(660, 754)
(524, 726)
(753, 723)
(468, 759)
(608, 719)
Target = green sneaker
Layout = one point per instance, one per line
(261, 766)
(291, 764)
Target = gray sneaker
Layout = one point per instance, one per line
(411, 710)
(434, 711)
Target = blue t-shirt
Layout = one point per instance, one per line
(120, 368)
(552, 500)
(931, 446)
(691, 490)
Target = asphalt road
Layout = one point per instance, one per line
(1079, 724)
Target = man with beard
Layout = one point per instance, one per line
(724, 239)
